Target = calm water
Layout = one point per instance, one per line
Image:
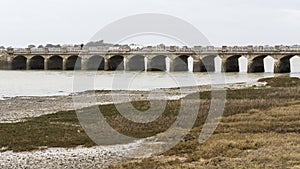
(49, 83)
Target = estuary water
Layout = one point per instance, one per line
(52, 83)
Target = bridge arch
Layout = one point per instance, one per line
(55, 63)
(96, 62)
(157, 63)
(136, 63)
(37, 63)
(73, 63)
(231, 64)
(19, 63)
(116, 62)
(208, 64)
(257, 64)
(283, 65)
(261, 63)
(181, 63)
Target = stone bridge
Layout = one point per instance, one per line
(151, 58)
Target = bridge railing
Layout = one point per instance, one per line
(20, 50)
(38, 50)
(54, 49)
(295, 48)
(95, 48)
(74, 49)
(266, 49)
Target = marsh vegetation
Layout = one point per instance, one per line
(259, 128)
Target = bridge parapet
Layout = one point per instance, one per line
(197, 49)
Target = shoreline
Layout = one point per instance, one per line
(20, 108)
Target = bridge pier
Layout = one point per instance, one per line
(46, 64)
(84, 64)
(197, 65)
(276, 66)
(28, 64)
(106, 64)
(223, 65)
(8, 64)
(148, 64)
(64, 67)
(172, 65)
(125, 64)
(250, 67)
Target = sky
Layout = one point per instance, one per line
(223, 22)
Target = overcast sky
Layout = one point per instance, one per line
(230, 22)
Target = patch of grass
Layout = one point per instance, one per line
(251, 140)
(141, 130)
(281, 81)
(56, 130)
(259, 129)
(62, 129)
